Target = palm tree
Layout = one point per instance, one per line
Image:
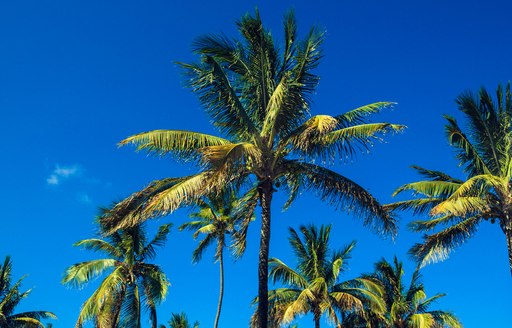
(180, 320)
(11, 296)
(314, 286)
(117, 301)
(259, 98)
(218, 217)
(406, 306)
(458, 206)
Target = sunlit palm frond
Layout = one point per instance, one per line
(279, 271)
(181, 144)
(421, 320)
(228, 155)
(81, 273)
(436, 247)
(130, 211)
(435, 189)
(95, 245)
(357, 116)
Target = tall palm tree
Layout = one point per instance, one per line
(218, 217)
(406, 306)
(457, 206)
(130, 281)
(180, 320)
(259, 99)
(314, 287)
(11, 296)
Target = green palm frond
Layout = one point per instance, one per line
(357, 116)
(159, 240)
(279, 271)
(431, 224)
(461, 206)
(99, 245)
(436, 189)
(421, 320)
(81, 273)
(437, 246)
(181, 144)
(468, 155)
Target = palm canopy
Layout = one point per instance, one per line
(259, 98)
(457, 206)
(406, 306)
(130, 285)
(180, 320)
(11, 296)
(219, 218)
(314, 286)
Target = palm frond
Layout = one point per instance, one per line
(81, 273)
(181, 144)
(436, 247)
(99, 245)
(343, 193)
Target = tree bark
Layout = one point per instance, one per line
(265, 190)
(508, 235)
(221, 289)
(317, 320)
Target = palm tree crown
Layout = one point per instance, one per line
(259, 97)
(314, 286)
(11, 296)
(219, 217)
(458, 206)
(130, 279)
(406, 306)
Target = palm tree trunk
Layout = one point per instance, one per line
(265, 191)
(508, 235)
(317, 320)
(221, 289)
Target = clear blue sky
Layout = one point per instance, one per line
(76, 77)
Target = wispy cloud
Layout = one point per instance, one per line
(61, 173)
(82, 197)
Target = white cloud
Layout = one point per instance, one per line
(83, 198)
(61, 173)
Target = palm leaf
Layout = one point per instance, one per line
(181, 144)
(436, 247)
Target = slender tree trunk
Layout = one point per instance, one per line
(317, 320)
(508, 235)
(265, 189)
(221, 289)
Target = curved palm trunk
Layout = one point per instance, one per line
(265, 190)
(221, 289)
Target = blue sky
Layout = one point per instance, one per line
(79, 76)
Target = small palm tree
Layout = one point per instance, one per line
(314, 287)
(259, 98)
(11, 296)
(406, 306)
(129, 279)
(458, 206)
(180, 320)
(218, 217)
